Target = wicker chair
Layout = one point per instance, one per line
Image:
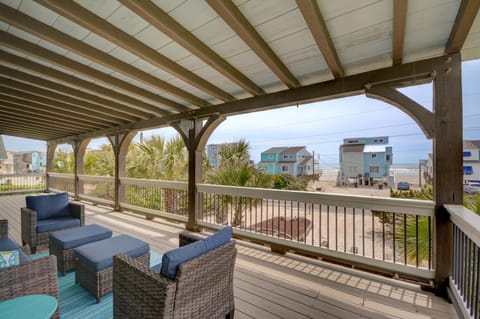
(31, 277)
(203, 287)
(29, 221)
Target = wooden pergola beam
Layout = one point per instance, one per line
(56, 109)
(400, 8)
(114, 116)
(92, 22)
(229, 12)
(76, 67)
(313, 17)
(27, 132)
(78, 94)
(463, 23)
(15, 60)
(50, 34)
(9, 117)
(166, 24)
(52, 103)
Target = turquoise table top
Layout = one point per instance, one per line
(30, 306)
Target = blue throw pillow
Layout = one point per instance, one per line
(9, 258)
(174, 258)
(49, 206)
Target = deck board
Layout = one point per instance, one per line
(269, 285)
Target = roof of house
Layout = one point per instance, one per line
(274, 150)
(471, 144)
(294, 149)
(3, 152)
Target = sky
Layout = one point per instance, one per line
(322, 126)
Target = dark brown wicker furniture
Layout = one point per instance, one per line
(33, 277)
(30, 235)
(203, 287)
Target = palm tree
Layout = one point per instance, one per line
(235, 170)
(63, 161)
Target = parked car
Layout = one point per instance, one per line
(403, 186)
(471, 188)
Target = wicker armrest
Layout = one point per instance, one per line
(35, 277)
(139, 292)
(78, 211)
(29, 225)
(3, 228)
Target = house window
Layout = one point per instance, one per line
(285, 156)
(284, 168)
(374, 169)
(374, 155)
(271, 156)
(467, 170)
(387, 157)
(467, 154)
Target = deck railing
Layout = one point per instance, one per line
(60, 182)
(465, 278)
(20, 183)
(100, 189)
(389, 234)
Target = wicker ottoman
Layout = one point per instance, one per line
(93, 262)
(62, 243)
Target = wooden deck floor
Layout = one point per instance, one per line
(268, 285)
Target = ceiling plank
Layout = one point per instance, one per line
(48, 106)
(50, 34)
(86, 106)
(166, 24)
(229, 12)
(400, 9)
(77, 67)
(313, 17)
(27, 132)
(466, 14)
(21, 108)
(75, 81)
(62, 89)
(81, 112)
(38, 123)
(94, 23)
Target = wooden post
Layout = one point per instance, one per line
(51, 147)
(447, 162)
(79, 150)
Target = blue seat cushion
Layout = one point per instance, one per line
(49, 206)
(173, 258)
(52, 224)
(99, 255)
(8, 244)
(74, 237)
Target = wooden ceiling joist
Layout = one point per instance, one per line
(25, 131)
(33, 112)
(68, 64)
(62, 89)
(463, 22)
(90, 107)
(399, 25)
(313, 17)
(229, 12)
(92, 22)
(57, 109)
(24, 94)
(26, 23)
(164, 23)
(77, 82)
(39, 123)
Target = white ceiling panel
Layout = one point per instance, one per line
(169, 5)
(70, 28)
(191, 63)
(127, 21)
(217, 79)
(38, 12)
(192, 14)
(162, 75)
(3, 26)
(78, 58)
(12, 51)
(222, 32)
(174, 51)
(101, 68)
(99, 43)
(471, 49)
(144, 66)
(153, 38)
(258, 12)
(102, 8)
(23, 35)
(52, 47)
(123, 55)
(289, 23)
(12, 3)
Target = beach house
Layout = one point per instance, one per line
(294, 161)
(471, 160)
(365, 159)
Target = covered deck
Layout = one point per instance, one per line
(269, 285)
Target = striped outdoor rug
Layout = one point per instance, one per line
(76, 302)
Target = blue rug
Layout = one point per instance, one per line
(76, 302)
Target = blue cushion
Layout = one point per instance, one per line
(71, 238)
(49, 206)
(99, 255)
(52, 224)
(8, 244)
(174, 258)
(9, 258)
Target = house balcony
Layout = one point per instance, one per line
(300, 255)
